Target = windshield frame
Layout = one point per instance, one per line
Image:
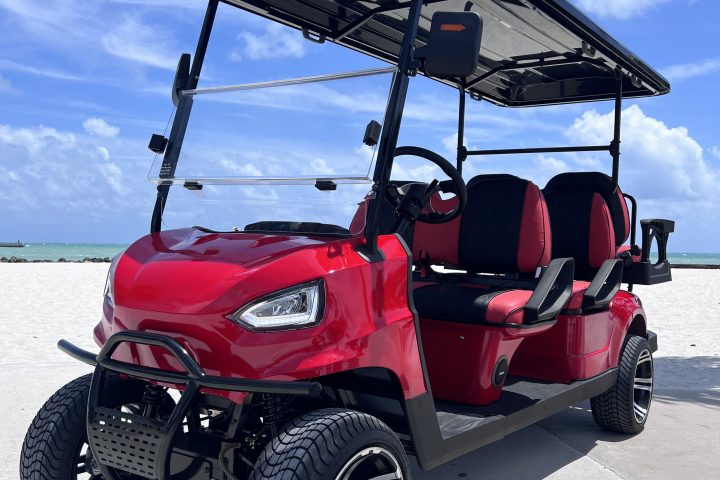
(386, 145)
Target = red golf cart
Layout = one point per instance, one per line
(441, 317)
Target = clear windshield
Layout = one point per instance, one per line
(254, 155)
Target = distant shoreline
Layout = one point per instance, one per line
(59, 260)
(699, 266)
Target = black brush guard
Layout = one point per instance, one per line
(141, 445)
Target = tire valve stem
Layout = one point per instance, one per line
(151, 400)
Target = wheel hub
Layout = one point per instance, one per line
(373, 463)
(643, 386)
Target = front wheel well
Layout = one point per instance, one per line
(373, 390)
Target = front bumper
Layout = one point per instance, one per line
(194, 374)
(142, 445)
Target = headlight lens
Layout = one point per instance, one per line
(109, 293)
(297, 307)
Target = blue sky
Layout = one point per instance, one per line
(84, 84)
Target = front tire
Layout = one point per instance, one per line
(625, 407)
(55, 446)
(333, 444)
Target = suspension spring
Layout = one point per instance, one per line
(151, 400)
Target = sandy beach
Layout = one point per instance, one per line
(40, 303)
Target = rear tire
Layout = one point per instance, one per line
(625, 407)
(333, 444)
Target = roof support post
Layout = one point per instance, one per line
(391, 125)
(615, 146)
(182, 116)
(461, 148)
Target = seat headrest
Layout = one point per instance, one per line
(602, 184)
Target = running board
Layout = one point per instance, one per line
(443, 431)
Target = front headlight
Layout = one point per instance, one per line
(109, 293)
(297, 307)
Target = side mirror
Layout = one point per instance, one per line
(182, 74)
(453, 47)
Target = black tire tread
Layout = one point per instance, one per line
(309, 446)
(613, 410)
(52, 438)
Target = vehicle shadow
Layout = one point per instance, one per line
(688, 379)
(561, 441)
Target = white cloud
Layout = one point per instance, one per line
(33, 140)
(715, 151)
(114, 177)
(622, 9)
(685, 71)
(321, 167)
(104, 153)
(658, 161)
(551, 164)
(140, 43)
(100, 128)
(277, 41)
(70, 176)
(451, 141)
(246, 170)
(41, 72)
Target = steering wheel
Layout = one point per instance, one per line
(412, 204)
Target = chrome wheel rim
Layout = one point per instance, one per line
(643, 386)
(84, 465)
(372, 463)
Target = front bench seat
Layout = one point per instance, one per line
(504, 229)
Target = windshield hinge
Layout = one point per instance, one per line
(325, 185)
(158, 143)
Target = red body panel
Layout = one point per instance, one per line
(182, 283)
(461, 358)
(579, 346)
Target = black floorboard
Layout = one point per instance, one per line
(518, 394)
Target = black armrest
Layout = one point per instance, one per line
(604, 285)
(659, 230)
(552, 292)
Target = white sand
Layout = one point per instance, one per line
(41, 303)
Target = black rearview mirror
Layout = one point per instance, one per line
(453, 47)
(182, 74)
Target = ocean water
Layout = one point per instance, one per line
(694, 258)
(68, 251)
(78, 251)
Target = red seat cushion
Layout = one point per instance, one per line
(471, 304)
(578, 292)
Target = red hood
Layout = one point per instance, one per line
(190, 271)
